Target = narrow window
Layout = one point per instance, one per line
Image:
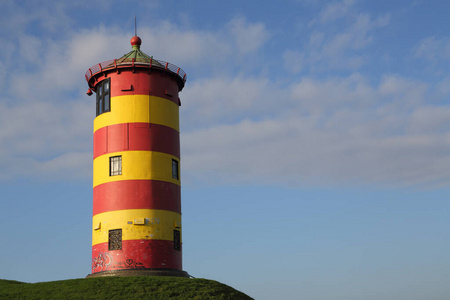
(115, 239)
(106, 102)
(103, 97)
(115, 165)
(106, 96)
(177, 240)
(100, 105)
(175, 169)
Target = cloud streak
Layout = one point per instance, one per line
(338, 131)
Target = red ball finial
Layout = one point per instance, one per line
(135, 40)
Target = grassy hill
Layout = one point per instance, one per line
(149, 287)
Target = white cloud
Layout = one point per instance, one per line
(44, 114)
(296, 153)
(247, 37)
(224, 100)
(335, 10)
(433, 49)
(315, 97)
(429, 120)
(182, 45)
(30, 48)
(336, 131)
(235, 126)
(293, 60)
(443, 87)
(337, 39)
(68, 166)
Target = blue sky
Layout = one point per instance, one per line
(315, 140)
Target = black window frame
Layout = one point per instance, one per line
(103, 96)
(175, 169)
(176, 240)
(112, 171)
(115, 239)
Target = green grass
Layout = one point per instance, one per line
(150, 287)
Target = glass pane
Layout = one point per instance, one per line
(174, 169)
(100, 106)
(115, 165)
(111, 167)
(177, 240)
(107, 102)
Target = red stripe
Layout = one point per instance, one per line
(136, 136)
(137, 194)
(136, 254)
(144, 82)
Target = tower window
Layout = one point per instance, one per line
(115, 165)
(115, 239)
(103, 96)
(175, 169)
(177, 240)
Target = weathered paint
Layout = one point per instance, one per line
(157, 224)
(136, 254)
(142, 127)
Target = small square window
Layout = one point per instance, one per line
(115, 165)
(175, 169)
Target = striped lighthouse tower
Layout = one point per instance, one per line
(137, 207)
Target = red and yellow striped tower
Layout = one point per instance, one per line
(137, 207)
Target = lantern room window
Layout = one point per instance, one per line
(103, 96)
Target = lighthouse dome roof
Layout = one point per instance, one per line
(137, 54)
(134, 59)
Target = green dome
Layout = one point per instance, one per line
(137, 54)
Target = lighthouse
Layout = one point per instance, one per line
(137, 227)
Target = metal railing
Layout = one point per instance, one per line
(153, 63)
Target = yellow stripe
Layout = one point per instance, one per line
(139, 108)
(136, 224)
(136, 165)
